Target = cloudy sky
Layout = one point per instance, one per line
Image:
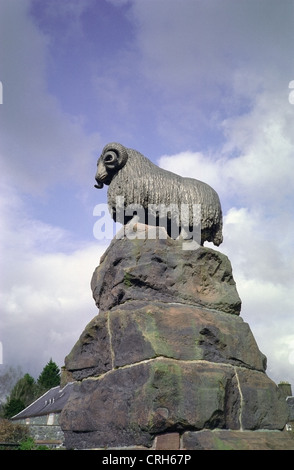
(202, 88)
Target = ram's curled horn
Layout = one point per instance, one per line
(119, 150)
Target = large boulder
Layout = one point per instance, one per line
(137, 331)
(235, 440)
(148, 269)
(130, 405)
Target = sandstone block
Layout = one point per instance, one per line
(263, 405)
(237, 440)
(168, 441)
(145, 269)
(136, 331)
(141, 330)
(128, 406)
(91, 355)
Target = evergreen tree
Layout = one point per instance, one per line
(49, 377)
(22, 395)
(24, 390)
(13, 407)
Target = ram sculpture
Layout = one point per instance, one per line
(135, 180)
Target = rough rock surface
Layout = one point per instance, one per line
(131, 404)
(167, 353)
(147, 269)
(236, 440)
(136, 331)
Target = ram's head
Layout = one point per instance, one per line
(114, 156)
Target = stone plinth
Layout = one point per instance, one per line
(168, 353)
(161, 270)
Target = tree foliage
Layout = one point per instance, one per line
(26, 389)
(11, 432)
(12, 407)
(50, 376)
(22, 394)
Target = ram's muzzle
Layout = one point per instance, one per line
(101, 176)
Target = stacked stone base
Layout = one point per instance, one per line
(131, 405)
(169, 363)
(142, 370)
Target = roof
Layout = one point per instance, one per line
(52, 401)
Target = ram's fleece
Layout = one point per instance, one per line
(138, 181)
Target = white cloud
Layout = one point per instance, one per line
(265, 144)
(192, 42)
(201, 61)
(195, 165)
(255, 186)
(45, 272)
(221, 69)
(45, 293)
(256, 162)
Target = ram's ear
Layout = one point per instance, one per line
(114, 155)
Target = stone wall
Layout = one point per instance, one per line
(41, 431)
